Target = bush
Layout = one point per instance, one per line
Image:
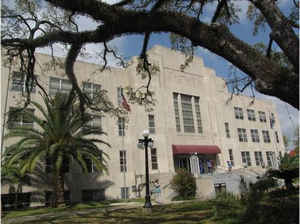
(184, 184)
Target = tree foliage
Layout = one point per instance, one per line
(59, 139)
(184, 184)
(32, 24)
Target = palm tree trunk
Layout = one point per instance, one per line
(59, 190)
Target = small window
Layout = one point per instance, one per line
(242, 135)
(119, 95)
(176, 110)
(266, 136)
(19, 83)
(154, 161)
(227, 130)
(238, 112)
(276, 136)
(272, 120)
(254, 135)
(94, 122)
(251, 115)
(91, 167)
(123, 162)
(92, 195)
(270, 158)
(59, 85)
(151, 123)
(220, 188)
(246, 160)
(231, 157)
(121, 126)
(258, 159)
(198, 114)
(18, 117)
(262, 116)
(91, 89)
(124, 193)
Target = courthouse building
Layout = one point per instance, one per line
(196, 124)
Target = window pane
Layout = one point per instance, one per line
(176, 109)
(151, 123)
(187, 113)
(198, 115)
(154, 159)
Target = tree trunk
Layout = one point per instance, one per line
(59, 200)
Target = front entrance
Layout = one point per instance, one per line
(197, 164)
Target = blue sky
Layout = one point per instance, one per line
(131, 46)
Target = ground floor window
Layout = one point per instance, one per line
(246, 160)
(15, 200)
(258, 159)
(220, 188)
(92, 195)
(49, 197)
(125, 192)
(270, 158)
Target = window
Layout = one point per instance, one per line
(254, 135)
(18, 117)
(238, 112)
(258, 159)
(276, 136)
(119, 95)
(154, 161)
(220, 188)
(121, 126)
(91, 166)
(272, 120)
(19, 83)
(270, 158)
(95, 122)
(242, 135)
(91, 89)
(123, 165)
(187, 113)
(251, 115)
(246, 158)
(262, 116)
(124, 192)
(198, 115)
(176, 109)
(231, 157)
(266, 136)
(92, 195)
(59, 85)
(151, 123)
(227, 130)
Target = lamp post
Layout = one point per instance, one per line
(147, 141)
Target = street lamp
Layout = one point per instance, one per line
(147, 142)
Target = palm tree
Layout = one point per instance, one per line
(60, 138)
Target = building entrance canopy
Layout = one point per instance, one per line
(190, 149)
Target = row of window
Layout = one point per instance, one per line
(254, 134)
(246, 158)
(190, 110)
(238, 113)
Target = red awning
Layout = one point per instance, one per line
(202, 149)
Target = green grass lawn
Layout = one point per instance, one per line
(187, 213)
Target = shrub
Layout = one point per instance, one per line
(184, 184)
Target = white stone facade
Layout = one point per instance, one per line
(216, 109)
